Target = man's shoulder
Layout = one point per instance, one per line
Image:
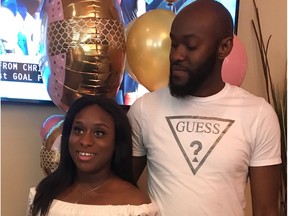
(155, 95)
(151, 100)
(245, 98)
(239, 92)
(158, 92)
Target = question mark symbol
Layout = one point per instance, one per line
(197, 150)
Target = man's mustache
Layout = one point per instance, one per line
(178, 66)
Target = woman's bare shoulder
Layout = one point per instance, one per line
(130, 194)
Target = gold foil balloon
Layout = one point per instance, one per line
(85, 49)
(148, 46)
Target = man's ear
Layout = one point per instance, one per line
(225, 47)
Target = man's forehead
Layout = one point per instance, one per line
(192, 24)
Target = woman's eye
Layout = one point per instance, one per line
(99, 133)
(77, 130)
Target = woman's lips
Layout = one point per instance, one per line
(85, 156)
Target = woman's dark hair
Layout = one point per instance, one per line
(55, 183)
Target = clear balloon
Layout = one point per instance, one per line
(51, 143)
(49, 123)
(148, 46)
(235, 64)
(85, 49)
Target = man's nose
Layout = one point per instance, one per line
(178, 53)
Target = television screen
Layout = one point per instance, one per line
(20, 44)
(19, 51)
(231, 5)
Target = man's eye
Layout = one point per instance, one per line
(174, 45)
(191, 47)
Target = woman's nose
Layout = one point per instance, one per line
(86, 139)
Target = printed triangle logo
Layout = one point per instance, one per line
(197, 136)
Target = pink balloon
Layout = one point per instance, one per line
(235, 64)
(49, 123)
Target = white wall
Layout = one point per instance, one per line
(20, 158)
(20, 124)
(273, 16)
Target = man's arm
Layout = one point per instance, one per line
(265, 186)
(138, 165)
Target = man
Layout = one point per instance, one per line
(204, 138)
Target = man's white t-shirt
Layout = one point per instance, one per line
(199, 149)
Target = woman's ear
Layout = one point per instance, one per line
(225, 47)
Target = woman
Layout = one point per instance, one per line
(94, 174)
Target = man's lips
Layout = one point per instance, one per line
(179, 68)
(179, 71)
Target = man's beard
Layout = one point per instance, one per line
(196, 78)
